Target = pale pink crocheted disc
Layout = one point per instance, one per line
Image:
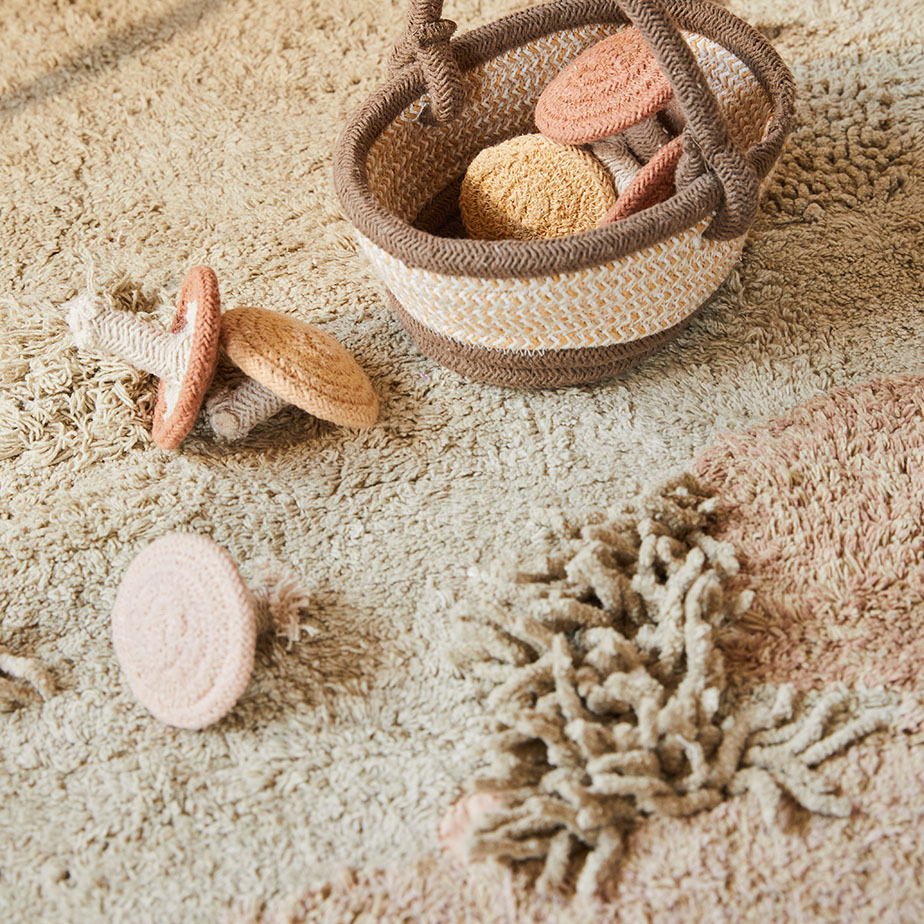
(184, 630)
(653, 184)
(612, 86)
(300, 363)
(172, 424)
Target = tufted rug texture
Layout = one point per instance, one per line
(140, 137)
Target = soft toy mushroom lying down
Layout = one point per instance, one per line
(183, 358)
(288, 361)
(184, 626)
(613, 97)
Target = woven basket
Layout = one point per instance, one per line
(571, 309)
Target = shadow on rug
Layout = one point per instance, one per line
(636, 679)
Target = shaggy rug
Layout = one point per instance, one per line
(140, 138)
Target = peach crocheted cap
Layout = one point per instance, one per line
(184, 630)
(199, 309)
(300, 363)
(610, 87)
(654, 183)
(531, 187)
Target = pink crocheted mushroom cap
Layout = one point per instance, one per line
(184, 630)
(612, 86)
(653, 184)
(199, 310)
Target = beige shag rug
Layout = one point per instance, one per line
(139, 138)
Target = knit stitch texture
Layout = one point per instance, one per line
(301, 364)
(613, 85)
(173, 419)
(652, 184)
(531, 187)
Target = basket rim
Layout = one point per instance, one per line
(503, 259)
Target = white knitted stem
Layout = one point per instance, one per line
(234, 412)
(97, 326)
(645, 138)
(614, 154)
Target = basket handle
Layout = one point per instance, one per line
(705, 121)
(426, 41)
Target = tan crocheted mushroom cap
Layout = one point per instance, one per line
(300, 363)
(654, 183)
(199, 310)
(184, 630)
(530, 187)
(610, 87)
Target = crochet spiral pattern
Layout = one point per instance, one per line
(530, 187)
(181, 630)
(184, 626)
(609, 88)
(612, 700)
(301, 364)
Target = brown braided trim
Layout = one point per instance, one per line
(426, 41)
(503, 259)
(705, 120)
(441, 214)
(545, 369)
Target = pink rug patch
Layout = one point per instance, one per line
(825, 508)
(458, 820)
(725, 866)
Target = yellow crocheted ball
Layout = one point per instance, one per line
(532, 187)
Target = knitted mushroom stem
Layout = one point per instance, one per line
(97, 326)
(613, 152)
(646, 137)
(234, 412)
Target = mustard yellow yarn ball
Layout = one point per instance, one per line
(532, 187)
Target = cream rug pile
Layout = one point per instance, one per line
(140, 138)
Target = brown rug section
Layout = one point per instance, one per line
(825, 509)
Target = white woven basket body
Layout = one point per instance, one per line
(631, 298)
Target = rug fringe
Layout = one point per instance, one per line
(30, 670)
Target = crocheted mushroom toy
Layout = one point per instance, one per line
(531, 187)
(288, 362)
(184, 626)
(609, 97)
(654, 183)
(615, 86)
(183, 358)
